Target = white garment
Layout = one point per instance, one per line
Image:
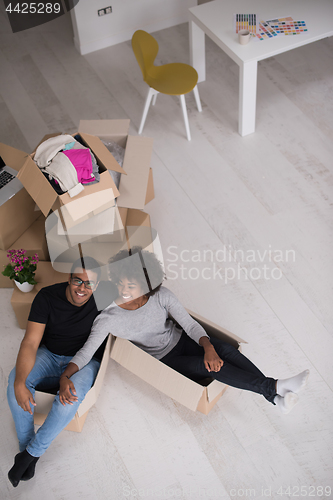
(47, 150)
(62, 169)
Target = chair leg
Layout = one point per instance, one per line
(187, 125)
(197, 98)
(154, 98)
(151, 93)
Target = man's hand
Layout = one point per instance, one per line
(25, 362)
(67, 392)
(212, 360)
(24, 397)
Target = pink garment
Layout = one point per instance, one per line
(81, 160)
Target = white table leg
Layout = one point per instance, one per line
(247, 98)
(197, 50)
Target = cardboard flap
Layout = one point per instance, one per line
(155, 373)
(133, 187)
(214, 389)
(37, 186)
(13, 158)
(93, 393)
(44, 402)
(105, 128)
(102, 153)
(216, 327)
(83, 205)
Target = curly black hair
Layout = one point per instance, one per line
(138, 264)
(89, 264)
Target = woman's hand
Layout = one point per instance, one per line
(67, 392)
(212, 360)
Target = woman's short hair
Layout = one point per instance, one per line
(141, 265)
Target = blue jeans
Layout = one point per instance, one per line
(187, 358)
(45, 374)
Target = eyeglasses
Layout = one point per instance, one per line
(87, 284)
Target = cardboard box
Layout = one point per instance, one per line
(44, 400)
(18, 213)
(136, 184)
(95, 197)
(21, 302)
(33, 241)
(191, 394)
(135, 229)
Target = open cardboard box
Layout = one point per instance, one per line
(94, 197)
(19, 212)
(136, 185)
(191, 394)
(44, 400)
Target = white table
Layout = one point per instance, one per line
(216, 20)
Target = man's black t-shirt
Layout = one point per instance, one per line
(67, 326)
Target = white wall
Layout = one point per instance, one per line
(92, 32)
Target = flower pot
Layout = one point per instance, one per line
(24, 287)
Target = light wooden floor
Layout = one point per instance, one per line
(268, 192)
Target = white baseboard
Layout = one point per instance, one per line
(125, 35)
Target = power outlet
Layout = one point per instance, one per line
(106, 10)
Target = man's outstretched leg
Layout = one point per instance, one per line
(58, 418)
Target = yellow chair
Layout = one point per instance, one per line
(171, 79)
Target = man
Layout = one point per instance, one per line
(59, 323)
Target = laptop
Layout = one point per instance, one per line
(9, 184)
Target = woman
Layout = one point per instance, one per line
(146, 314)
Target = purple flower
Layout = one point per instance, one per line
(20, 262)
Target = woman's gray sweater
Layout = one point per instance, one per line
(148, 327)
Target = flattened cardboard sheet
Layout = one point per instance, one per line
(133, 187)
